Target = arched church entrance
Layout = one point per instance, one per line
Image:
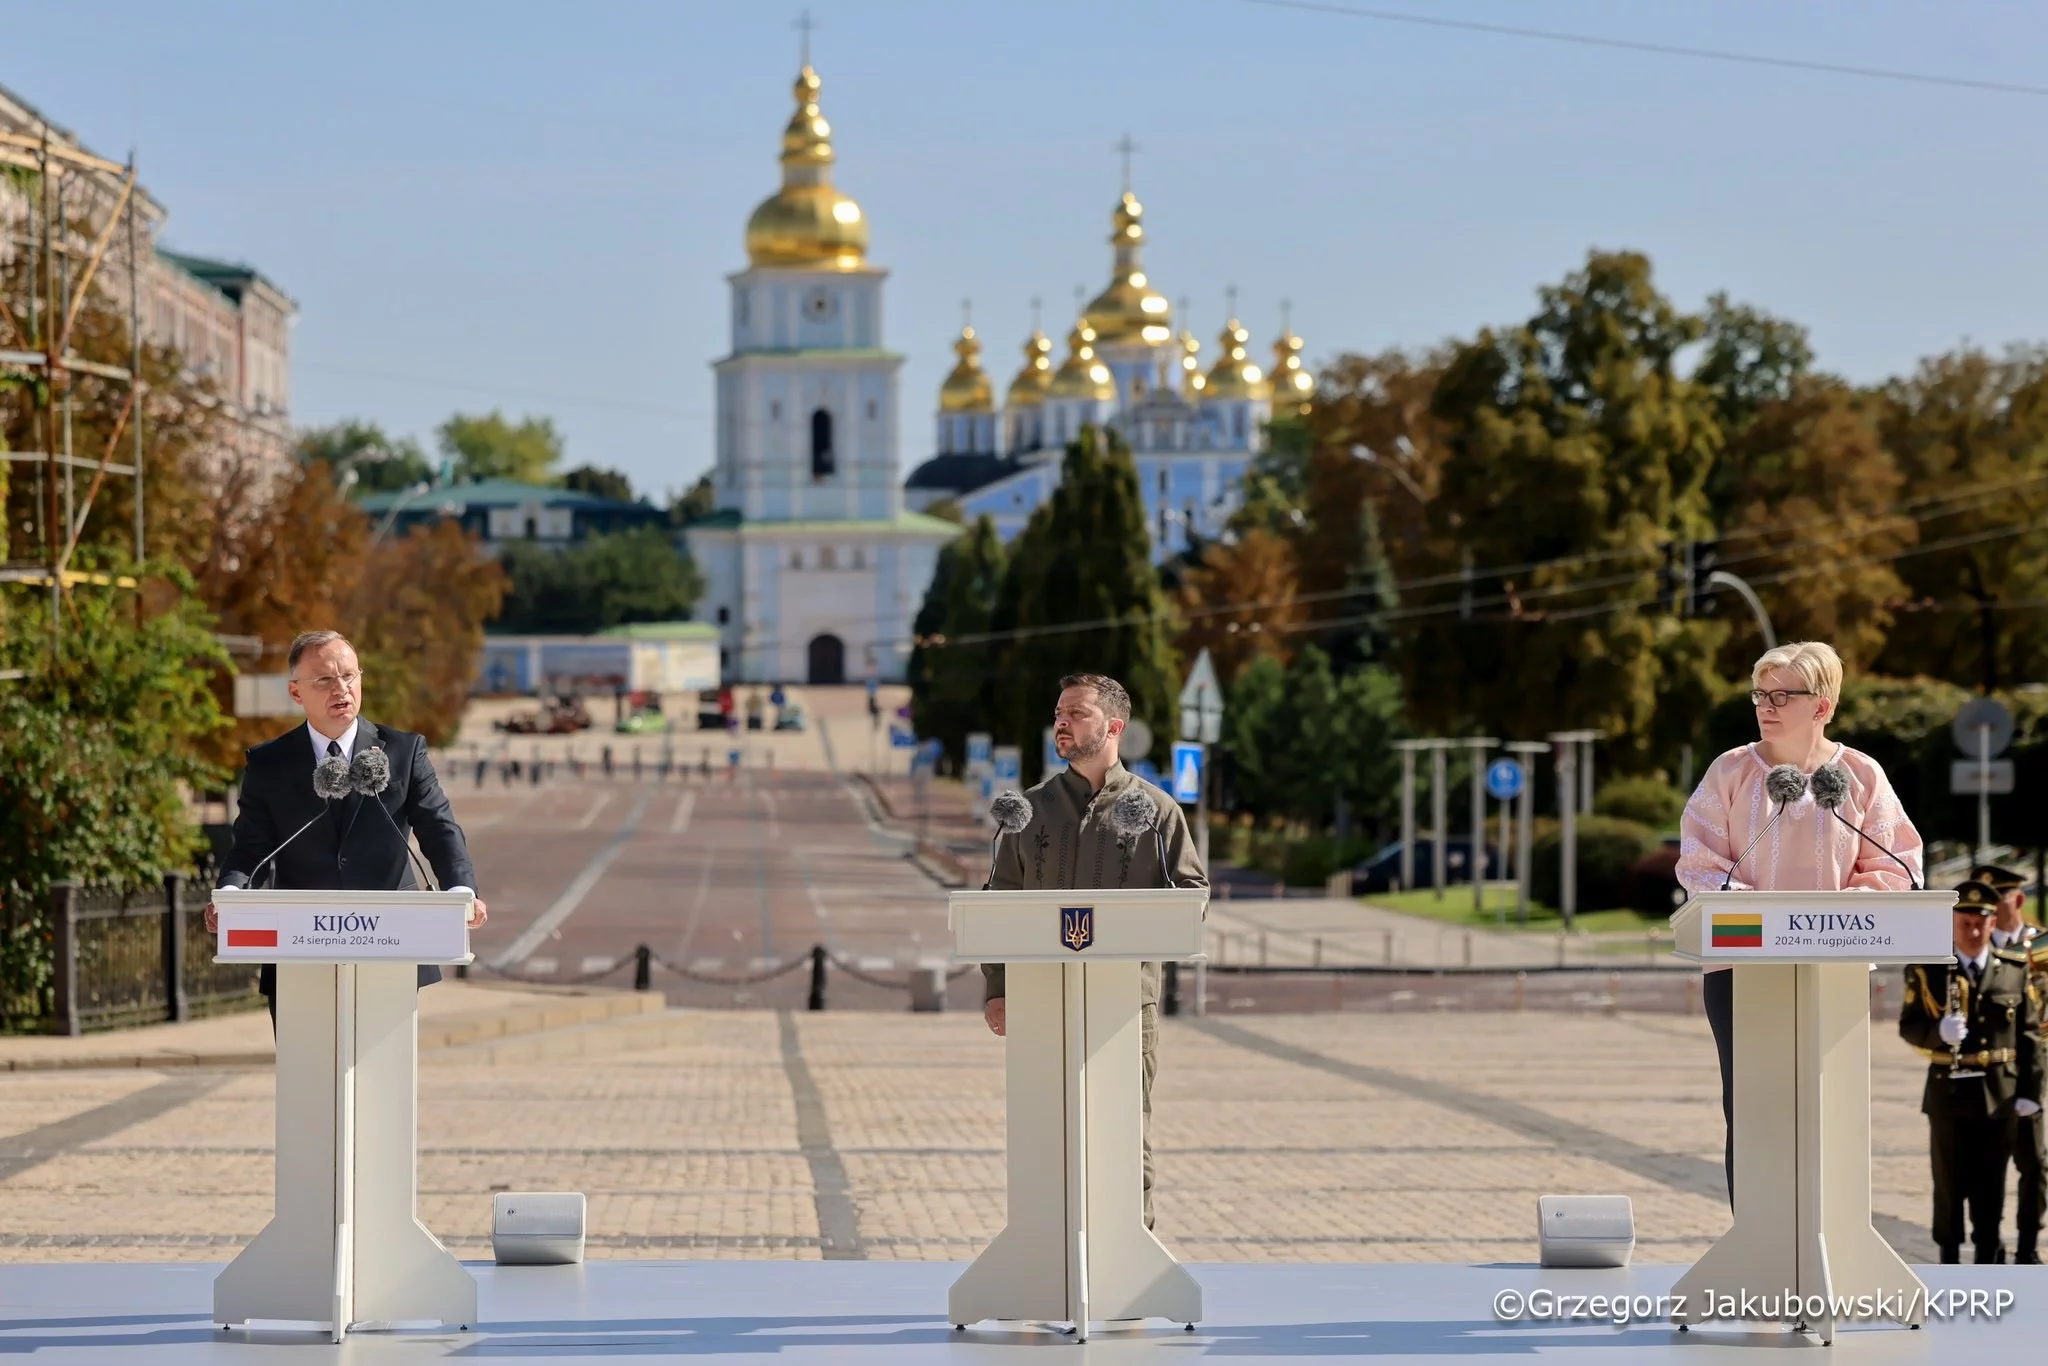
(827, 662)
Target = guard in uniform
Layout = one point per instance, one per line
(1976, 1022)
(2010, 929)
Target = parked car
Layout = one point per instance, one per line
(1382, 872)
(643, 715)
(557, 716)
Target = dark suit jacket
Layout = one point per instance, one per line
(2003, 1018)
(348, 847)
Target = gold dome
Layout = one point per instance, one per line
(1234, 375)
(1192, 381)
(1293, 386)
(967, 389)
(1081, 375)
(807, 222)
(1027, 390)
(1130, 311)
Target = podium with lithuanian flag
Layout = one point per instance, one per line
(1802, 963)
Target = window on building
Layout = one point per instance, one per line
(1162, 477)
(739, 303)
(823, 463)
(725, 616)
(874, 410)
(532, 528)
(796, 558)
(860, 558)
(827, 558)
(1237, 423)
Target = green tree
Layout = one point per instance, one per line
(1081, 596)
(381, 464)
(599, 483)
(489, 447)
(697, 502)
(1572, 443)
(96, 753)
(605, 581)
(1970, 433)
(1301, 739)
(949, 670)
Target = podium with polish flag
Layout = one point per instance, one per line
(1802, 963)
(345, 1248)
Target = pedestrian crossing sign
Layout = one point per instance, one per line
(1187, 773)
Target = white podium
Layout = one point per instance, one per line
(345, 1248)
(1802, 964)
(1075, 1248)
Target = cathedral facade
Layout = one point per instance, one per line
(814, 569)
(1193, 431)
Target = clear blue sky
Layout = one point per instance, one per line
(534, 206)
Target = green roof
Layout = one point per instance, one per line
(663, 630)
(492, 493)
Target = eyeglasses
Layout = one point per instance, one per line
(329, 682)
(1777, 697)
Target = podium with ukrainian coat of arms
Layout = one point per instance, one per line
(1075, 1247)
(1802, 964)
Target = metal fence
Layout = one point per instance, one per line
(129, 956)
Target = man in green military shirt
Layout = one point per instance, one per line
(1070, 843)
(1977, 1023)
(2010, 929)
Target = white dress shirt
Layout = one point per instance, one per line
(347, 740)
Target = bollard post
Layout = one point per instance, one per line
(817, 1001)
(64, 921)
(643, 967)
(1613, 993)
(1262, 948)
(1319, 951)
(1169, 989)
(1387, 947)
(1521, 987)
(1560, 948)
(1468, 948)
(174, 947)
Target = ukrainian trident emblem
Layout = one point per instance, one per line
(1077, 927)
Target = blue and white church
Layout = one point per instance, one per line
(814, 569)
(1193, 432)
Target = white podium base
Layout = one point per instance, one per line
(345, 1247)
(1076, 1248)
(1802, 1153)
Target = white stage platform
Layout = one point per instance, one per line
(850, 1313)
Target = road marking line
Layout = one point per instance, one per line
(604, 799)
(684, 808)
(536, 934)
(597, 962)
(542, 967)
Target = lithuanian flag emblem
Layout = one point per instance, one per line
(1738, 930)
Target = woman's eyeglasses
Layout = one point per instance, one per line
(1777, 697)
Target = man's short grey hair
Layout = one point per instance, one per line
(312, 640)
(1109, 694)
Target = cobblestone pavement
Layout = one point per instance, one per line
(1353, 1137)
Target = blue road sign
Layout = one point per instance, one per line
(901, 739)
(978, 746)
(777, 697)
(1008, 764)
(1050, 760)
(1504, 779)
(1187, 772)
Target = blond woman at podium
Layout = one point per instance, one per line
(1736, 836)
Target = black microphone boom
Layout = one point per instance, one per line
(330, 781)
(368, 776)
(1830, 789)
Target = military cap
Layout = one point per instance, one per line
(2000, 880)
(1975, 896)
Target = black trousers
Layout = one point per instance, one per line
(1717, 994)
(2027, 1157)
(1969, 1150)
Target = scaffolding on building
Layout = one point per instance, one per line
(63, 211)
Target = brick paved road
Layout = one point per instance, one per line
(726, 1133)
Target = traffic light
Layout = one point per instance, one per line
(1702, 559)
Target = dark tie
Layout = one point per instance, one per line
(334, 749)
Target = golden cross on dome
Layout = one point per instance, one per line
(804, 24)
(1124, 148)
(1034, 313)
(1230, 297)
(966, 314)
(1286, 317)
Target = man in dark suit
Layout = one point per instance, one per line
(346, 847)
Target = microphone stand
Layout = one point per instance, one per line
(1911, 878)
(1728, 880)
(271, 858)
(427, 881)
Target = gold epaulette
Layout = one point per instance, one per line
(2017, 957)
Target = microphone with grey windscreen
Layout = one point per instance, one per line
(368, 775)
(1784, 784)
(1131, 814)
(1830, 790)
(1011, 812)
(330, 783)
